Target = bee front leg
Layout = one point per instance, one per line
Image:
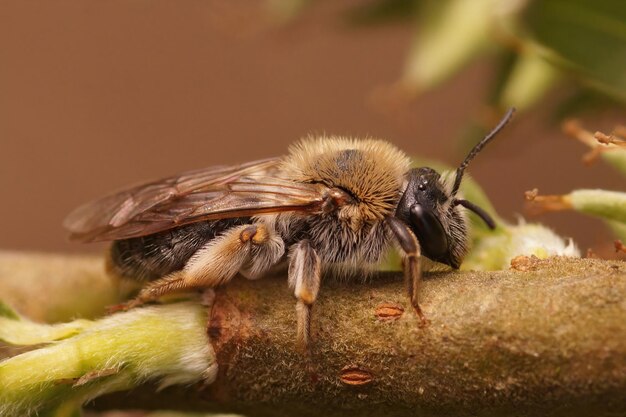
(411, 262)
(304, 279)
(214, 264)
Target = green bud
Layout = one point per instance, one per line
(609, 205)
(17, 330)
(167, 343)
(495, 252)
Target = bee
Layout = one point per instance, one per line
(331, 204)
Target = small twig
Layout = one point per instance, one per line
(611, 139)
(598, 142)
(538, 204)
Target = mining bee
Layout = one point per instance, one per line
(331, 204)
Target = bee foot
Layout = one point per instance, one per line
(116, 308)
(123, 306)
(423, 323)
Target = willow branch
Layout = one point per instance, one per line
(550, 336)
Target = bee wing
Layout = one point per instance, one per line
(207, 194)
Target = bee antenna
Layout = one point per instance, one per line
(459, 171)
(484, 216)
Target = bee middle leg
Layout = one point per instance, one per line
(304, 279)
(219, 261)
(411, 262)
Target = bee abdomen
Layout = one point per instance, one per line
(153, 256)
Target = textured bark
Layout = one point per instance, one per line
(549, 338)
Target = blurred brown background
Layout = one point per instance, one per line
(98, 94)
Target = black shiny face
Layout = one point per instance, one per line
(442, 232)
(419, 208)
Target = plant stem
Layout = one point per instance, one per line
(551, 339)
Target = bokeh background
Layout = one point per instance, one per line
(95, 95)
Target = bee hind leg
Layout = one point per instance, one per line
(304, 279)
(214, 264)
(411, 263)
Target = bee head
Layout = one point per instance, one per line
(431, 209)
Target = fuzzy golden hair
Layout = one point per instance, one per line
(372, 170)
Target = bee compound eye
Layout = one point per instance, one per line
(430, 232)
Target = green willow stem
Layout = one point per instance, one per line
(164, 343)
